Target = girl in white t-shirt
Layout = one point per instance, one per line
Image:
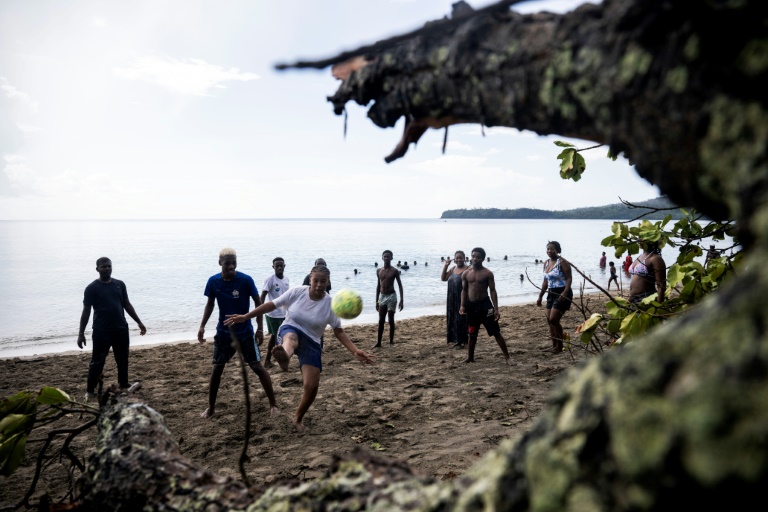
(308, 312)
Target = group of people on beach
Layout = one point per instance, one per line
(297, 317)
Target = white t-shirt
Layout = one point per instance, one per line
(309, 316)
(275, 287)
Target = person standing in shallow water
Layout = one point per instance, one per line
(109, 299)
(456, 324)
(480, 308)
(232, 291)
(557, 284)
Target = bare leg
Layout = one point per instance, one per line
(471, 349)
(556, 329)
(270, 346)
(503, 347)
(311, 376)
(382, 316)
(391, 315)
(266, 383)
(213, 390)
(283, 353)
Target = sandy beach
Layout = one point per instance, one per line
(419, 403)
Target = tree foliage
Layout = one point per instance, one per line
(688, 281)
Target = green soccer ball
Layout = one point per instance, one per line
(347, 304)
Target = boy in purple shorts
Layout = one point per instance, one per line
(232, 291)
(478, 306)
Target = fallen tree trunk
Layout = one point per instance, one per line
(655, 80)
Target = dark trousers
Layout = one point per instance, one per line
(102, 341)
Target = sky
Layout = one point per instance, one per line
(173, 110)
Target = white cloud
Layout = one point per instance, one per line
(15, 94)
(192, 77)
(24, 180)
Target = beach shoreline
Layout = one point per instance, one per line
(136, 340)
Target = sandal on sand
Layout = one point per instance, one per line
(281, 357)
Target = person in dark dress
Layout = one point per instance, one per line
(456, 332)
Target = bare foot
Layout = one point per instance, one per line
(298, 425)
(391, 344)
(281, 357)
(510, 362)
(378, 345)
(269, 364)
(468, 360)
(274, 411)
(207, 413)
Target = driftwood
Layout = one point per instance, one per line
(676, 419)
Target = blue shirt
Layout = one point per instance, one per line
(233, 298)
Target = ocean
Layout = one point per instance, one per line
(46, 265)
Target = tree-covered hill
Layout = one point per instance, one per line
(618, 211)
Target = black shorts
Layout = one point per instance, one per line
(481, 313)
(223, 350)
(555, 302)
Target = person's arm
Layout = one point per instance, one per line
(660, 272)
(257, 301)
(544, 286)
(361, 356)
(566, 268)
(84, 316)
(206, 315)
(267, 307)
(400, 285)
(132, 312)
(444, 275)
(464, 292)
(378, 288)
(494, 297)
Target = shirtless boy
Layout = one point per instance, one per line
(386, 298)
(478, 306)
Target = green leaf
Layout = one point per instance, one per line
(687, 293)
(674, 276)
(614, 325)
(567, 159)
(15, 454)
(14, 423)
(579, 165)
(377, 447)
(563, 144)
(20, 403)
(50, 396)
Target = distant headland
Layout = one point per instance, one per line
(617, 211)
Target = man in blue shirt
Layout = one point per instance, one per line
(232, 291)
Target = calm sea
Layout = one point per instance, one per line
(46, 265)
